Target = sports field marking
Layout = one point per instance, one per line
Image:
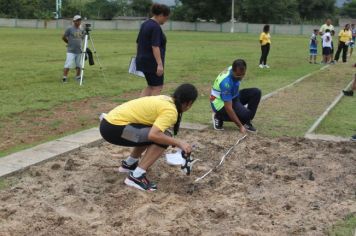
(292, 84)
(326, 112)
(324, 137)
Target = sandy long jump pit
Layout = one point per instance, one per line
(282, 186)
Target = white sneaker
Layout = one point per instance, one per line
(261, 66)
(266, 66)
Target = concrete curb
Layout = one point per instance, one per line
(323, 137)
(22, 160)
(326, 112)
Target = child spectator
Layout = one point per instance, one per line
(313, 46)
(327, 46)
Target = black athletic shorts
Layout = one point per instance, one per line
(132, 135)
(326, 51)
(153, 79)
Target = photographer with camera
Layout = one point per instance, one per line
(73, 37)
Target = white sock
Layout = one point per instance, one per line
(64, 77)
(131, 160)
(138, 172)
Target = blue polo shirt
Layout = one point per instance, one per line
(225, 89)
(150, 35)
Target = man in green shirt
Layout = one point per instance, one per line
(229, 104)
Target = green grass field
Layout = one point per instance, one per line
(32, 61)
(341, 120)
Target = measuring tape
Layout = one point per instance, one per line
(221, 161)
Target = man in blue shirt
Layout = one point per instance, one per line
(228, 103)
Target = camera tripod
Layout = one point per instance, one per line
(87, 37)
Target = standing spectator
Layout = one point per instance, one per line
(352, 44)
(265, 41)
(353, 88)
(313, 46)
(327, 26)
(151, 50)
(327, 45)
(345, 37)
(73, 37)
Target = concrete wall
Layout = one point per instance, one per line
(344, 21)
(120, 24)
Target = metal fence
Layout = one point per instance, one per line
(239, 27)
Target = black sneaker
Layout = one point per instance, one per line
(141, 183)
(217, 123)
(64, 80)
(250, 128)
(349, 93)
(353, 138)
(125, 168)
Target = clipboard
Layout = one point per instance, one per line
(132, 68)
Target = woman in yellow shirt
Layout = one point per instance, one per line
(144, 124)
(345, 37)
(265, 41)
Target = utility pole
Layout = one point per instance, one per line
(58, 9)
(232, 16)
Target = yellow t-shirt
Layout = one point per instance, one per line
(324, 27)
(265, 38)
(345, 36)
(159, 111)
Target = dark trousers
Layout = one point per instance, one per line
(265, 52)
(342, 46)
(250, 97)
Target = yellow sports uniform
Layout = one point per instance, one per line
(345, 36)
(265, 38)
(159, 111)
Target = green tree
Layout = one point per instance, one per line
(192, 10)
(269, 11)
(141, 7)
(316, 9)
(25, 8)
(104, 9)
(349, 9)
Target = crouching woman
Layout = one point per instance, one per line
(144, 124)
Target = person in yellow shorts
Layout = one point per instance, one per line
(345, 37)
(144, 124)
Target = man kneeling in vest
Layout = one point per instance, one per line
(229, 104)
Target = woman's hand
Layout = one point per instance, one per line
(187, 148)
(160, 70)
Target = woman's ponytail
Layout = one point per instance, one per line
(185, 93)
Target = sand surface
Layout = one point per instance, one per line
(283, 186)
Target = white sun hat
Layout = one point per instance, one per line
(77, 17)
